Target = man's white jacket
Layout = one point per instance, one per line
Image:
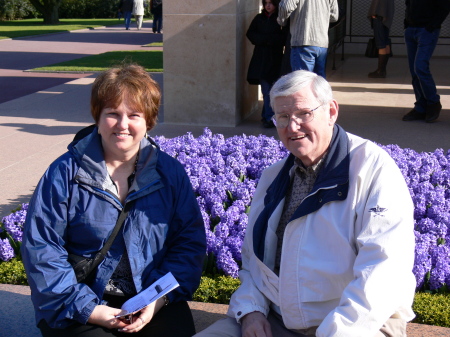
(348, 250)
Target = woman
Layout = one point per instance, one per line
(265, 66)
(381, 13)
(76, 205)
(138, 12)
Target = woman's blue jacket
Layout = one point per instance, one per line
(71, 211)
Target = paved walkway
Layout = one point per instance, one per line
(17, 55)
(39, 114)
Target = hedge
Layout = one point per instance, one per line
(69, 9)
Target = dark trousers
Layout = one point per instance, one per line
(267, 112)
(157, 23)
(127, 18)
(420, 45)
(173, 320)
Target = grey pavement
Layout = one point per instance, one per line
(19, 55)
(38, 118)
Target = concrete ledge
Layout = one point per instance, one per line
(17, 315)
(207, 313)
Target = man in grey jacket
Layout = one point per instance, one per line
(309, 22)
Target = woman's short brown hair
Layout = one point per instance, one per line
(130, 83)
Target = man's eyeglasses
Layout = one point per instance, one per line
(303, 116)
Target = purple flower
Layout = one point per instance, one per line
(226, 262)
(440, 257)
(224, 174)
(13, 223)
(217, 210)
(6, 251)
(423, 263)
(427, 176)
(234, 243)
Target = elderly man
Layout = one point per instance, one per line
(329, 247)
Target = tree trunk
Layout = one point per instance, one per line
(48, 9)
(51, 16)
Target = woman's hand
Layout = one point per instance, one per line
(144, 316)
(255, 324)
(106, 317)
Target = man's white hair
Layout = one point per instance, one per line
(291, 83)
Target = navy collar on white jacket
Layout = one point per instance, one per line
(331, 185)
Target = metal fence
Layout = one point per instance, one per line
(359, 26)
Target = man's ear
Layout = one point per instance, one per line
(334, 111)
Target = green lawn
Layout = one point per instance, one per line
(21, 28)
(152, 61)
(153, 44)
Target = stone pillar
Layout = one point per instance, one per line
(206, 56)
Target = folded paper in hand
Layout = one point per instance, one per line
(157, 290)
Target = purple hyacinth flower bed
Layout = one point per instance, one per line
(427, 175)
(11, 229)
(224, 173)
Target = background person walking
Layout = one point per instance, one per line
(126, 6)
(423, 20)
(138, 12)
(381, 13)
(156, 10)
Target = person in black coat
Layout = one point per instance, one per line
(264, 69)
(156, 10)
(126, 7)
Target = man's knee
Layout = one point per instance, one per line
(394, 327)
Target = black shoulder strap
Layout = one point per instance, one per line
(100, 256)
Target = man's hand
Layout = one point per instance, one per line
(255, 324)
